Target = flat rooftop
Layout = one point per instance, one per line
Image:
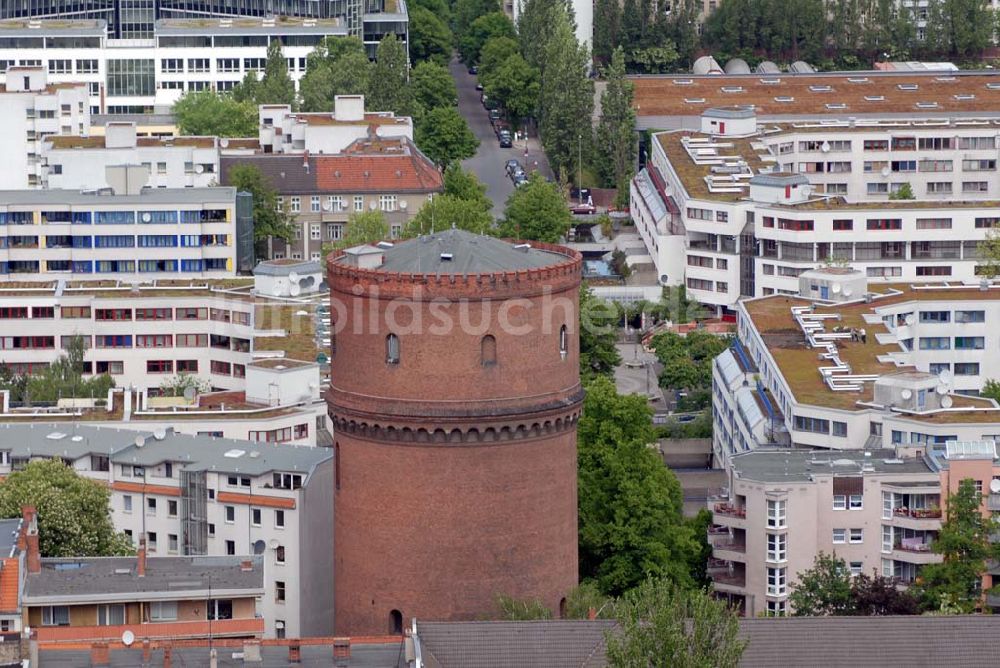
(250, 26)
(787, 465)
(152, 196)
(799, 364)
(460, 252)
(809, 94)
(53, 27)
(71, 142)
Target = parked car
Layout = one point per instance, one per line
(505, 140)
(479, 86)
(520, 179)
(494, 115)
(516, 173)
(584, 209)
(473, 70)
(512, 165)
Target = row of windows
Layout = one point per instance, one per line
(820, 426)
(160, 313)
(335, 203)
(945, 343)
(487, 348)
(116, 217)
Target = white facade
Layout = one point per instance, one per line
(245, 498)
(715, 189)
(136, 75)
(31, 109)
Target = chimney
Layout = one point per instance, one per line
(140, 568)
(30, 518)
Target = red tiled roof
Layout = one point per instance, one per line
(256, 500)
(378, 173)
(8, 584)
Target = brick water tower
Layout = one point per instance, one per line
(454, 396)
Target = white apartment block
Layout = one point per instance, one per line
(222, 332)
(79, 163)
(137, 75)
(742, 208)
(192, 495)
(799, 374)
(31, 109)
(876, 511)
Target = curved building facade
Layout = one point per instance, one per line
(455, 395)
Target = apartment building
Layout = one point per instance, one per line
(201, 495)
(132, 20)
(743, 208)
(78, 163)
(33, 108)
(142, 74)
(223, 332)
(88, 599)
(877, 368)
(876, 511)
(125, 232)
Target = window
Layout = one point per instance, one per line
(279, 554)
(172, 508)
(839, 536)
(777, 581)
(172, 543)
(279, 591)
(230, 514)
(810, 424)
(974, 143)
(279, 519)
(392, 349)
(839, 502)
(885, 224)
(296, 204)
(939, 188)
(933, 223)
(979, 165)
(220, 609)
(878, 188)
(359, 202)
(969, 343)
(840, 429)
(159, 366)
(151, 506)
(395, 622)
(127, 503)
(970, 316)
(777, 547)
(55, 615)
(279, 628)
(843, 225)
(315, 232)
(387, 202)
(776, 514)
(230, 547)
(856, 567)
(488, 350)
(86, 66)
(172, 65)
(151, 542)
(255, 517)
(935, 316)
(776, 608)
(975, 186)
(857, 502)
(314, 205)
(162, 611)
(935, 343)
(987, 222)
(940, 270)
(857, 535)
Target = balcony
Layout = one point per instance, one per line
(915, 551)
(730, 550)
(729, 582)
(993, 502)
(917, 518)
(729, 515)
(238, 628)
(730, 510)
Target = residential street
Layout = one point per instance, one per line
(488, 163)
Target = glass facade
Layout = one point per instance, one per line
(131, 78)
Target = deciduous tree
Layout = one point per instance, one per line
(388, 89)
(276, 87)
(536, 211)
(630, 504)
(433, 86)
(365, 227)
(484, 28)
(515, 84)
(661, 625)
(338, 66)
(430, 37)
(74, 518)
(466, 186)
(598, 336)
(268, 221)
(445, 137)
(207, 113)
(616, 139)
(823, 590)
(447, 211)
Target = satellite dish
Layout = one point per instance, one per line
(190, 393)
(403, 204)
(328, 206)
(294, 290)
(146, 217)
(198, 169)
(825, 147)
(140, 441)
(128, 638)
(910, 319)
(885, 171)
(160, 433)
(293, 277)
(945, 376)
(942, 389)
(258, 547)
(372, 205)
(946, 402)
(848, 291)
(273, 544)
(224, 142)
(835, 288)
(906, 394)
(995, 486)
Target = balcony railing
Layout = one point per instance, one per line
(730, 510)
(918, 513)
(914, 545)
(731, 546)
(731, 579)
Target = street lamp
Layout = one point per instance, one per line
(579, 168)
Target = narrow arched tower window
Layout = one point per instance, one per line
(395, 622)
(392, 349)
(563, 342)
(488, 350)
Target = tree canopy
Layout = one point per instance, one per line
(515, 84)
(364, 227)
(388, 89)
(276, 86)
(598, 335)
(661, 625)
(445, 137)
(74, 518)
(446, 211)
(829, 589)
(467, 186)
(687, 360)
(616, 128)
(630, 504)
(338, 66)
(268, 220)
(433, 86)
(207, 113)
(536, 211)
(430, 37)
(62, 379)
(481, 30)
